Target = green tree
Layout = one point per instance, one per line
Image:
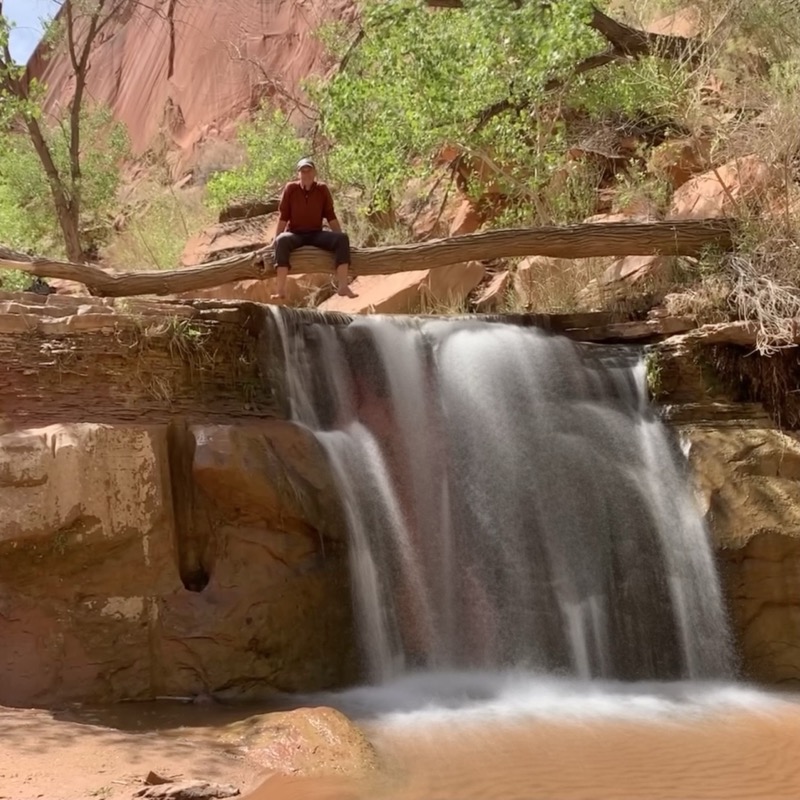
(28, 215)
(272, 146)
(499, 79)
(62, 159)
(480, 77)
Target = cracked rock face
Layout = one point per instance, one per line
(188, 71)
(747, 475)
(137, 562)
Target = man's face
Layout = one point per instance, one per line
(306, 175)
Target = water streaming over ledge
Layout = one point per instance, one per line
(513, 502)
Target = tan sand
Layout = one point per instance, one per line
(71, 756)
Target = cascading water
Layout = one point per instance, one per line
(513, 502)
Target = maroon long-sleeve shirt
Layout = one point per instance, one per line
(303, 210)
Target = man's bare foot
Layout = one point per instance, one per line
(278, 296)
(345, 291)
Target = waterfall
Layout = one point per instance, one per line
(513, 501)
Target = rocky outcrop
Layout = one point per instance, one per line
(91, 360)
(141, 561)
(746, 471)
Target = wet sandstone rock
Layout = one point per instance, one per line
(747, 475)
(307, 742)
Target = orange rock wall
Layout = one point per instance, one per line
(192, 67)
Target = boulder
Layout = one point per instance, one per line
(493, 295)
(410, 292)
(468, 219)
(307, 742)
(724, 191)
(678, 160)
(381, 294)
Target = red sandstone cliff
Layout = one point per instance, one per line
(190, 68)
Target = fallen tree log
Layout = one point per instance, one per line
(588, 240)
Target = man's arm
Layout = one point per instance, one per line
(329, 212)
(284, 207)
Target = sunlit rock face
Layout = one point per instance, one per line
(187, 72)
(139, 561)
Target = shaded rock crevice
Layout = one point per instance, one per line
(172, 38)
(192, 532)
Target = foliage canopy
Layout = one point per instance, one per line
(481, 78)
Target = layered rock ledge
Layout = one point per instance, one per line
(746, 471)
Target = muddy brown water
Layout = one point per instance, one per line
(742, 755)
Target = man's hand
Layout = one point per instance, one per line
(282, 223)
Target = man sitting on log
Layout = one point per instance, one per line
(304, 204)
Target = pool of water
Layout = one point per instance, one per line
(481, 737)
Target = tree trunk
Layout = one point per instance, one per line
(681, 237)
(68, 221)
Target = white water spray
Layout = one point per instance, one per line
(512, 500)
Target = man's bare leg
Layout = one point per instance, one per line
(343, 289)
(280, 289)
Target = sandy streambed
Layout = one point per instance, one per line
(738, 752)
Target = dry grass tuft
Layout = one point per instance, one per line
(155, 236)
(554, 285)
